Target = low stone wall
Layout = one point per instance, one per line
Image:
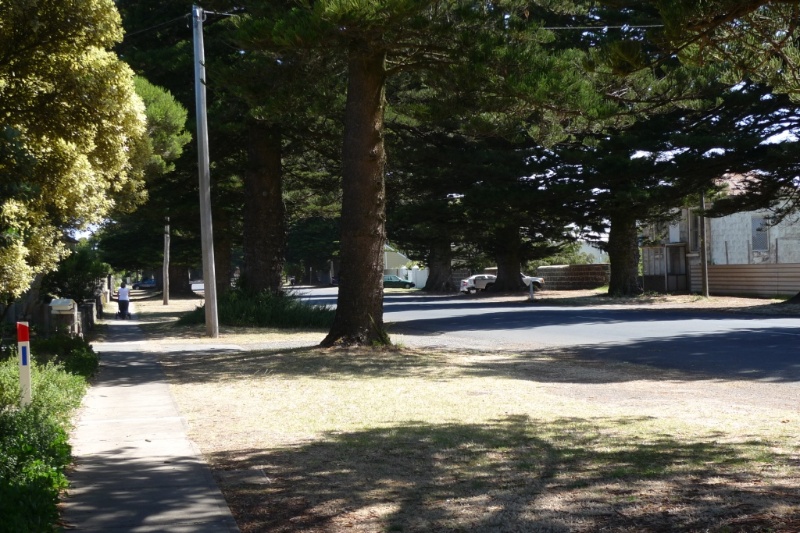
(573, 277)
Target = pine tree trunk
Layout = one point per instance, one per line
(179, 284)
(508, 261)
(441, 269)
(359, 311)
(264, 243)
(623, 255)
(223, 255)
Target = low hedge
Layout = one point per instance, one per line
(34, 452)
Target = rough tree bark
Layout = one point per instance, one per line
(508, 261)
(359, 311)
(223, 254)
(623, 255)
(440, 259)
(179, 283)
(264, 238)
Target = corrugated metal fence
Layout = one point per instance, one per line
(764, 280)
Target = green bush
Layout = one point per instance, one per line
(54, 391)
(241, 309)
(33, 456)
(33, 441)
(74, 353)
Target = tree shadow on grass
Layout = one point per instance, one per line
(686, 358)
(329, 364)
(515, 474)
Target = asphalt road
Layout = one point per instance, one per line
(721, 344)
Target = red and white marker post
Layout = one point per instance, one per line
(24, 347)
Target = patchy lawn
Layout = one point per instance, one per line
(337, 440)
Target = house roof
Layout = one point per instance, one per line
(736, 184)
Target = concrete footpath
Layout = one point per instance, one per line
(135, 468)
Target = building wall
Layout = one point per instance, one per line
(730, 241)
(762, 280)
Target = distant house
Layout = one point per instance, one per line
(393, 260)
(746, 255)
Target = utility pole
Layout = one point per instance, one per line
(165, 272)
(703, 247)
(206, 233)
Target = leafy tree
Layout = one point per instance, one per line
(468, 45)
(77, 276)
(641, 174)
(134, 240)
(166, 128)
(570, 254)
(312, 243)
(424, 190)
(755, 39)
(71, 123)
(516, 211)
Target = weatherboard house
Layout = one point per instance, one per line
(746, 255)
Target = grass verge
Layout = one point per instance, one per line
(435, 440)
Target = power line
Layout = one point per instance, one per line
(622, 27)
(161, 25)
(176, 19)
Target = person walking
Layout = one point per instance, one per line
(124, 300)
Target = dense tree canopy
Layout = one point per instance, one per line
(475, 95)
(134, 240)
(70, 121)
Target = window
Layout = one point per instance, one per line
(760, 234)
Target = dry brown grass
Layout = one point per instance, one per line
(418, 440)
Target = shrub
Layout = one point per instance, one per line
(55, 391)
(33, 443)
(77, 276)
(33, 456)
(238, 308)
(74, 353)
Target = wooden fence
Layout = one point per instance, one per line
(762, 280)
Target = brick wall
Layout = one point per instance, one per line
(573, 277)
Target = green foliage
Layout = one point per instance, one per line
(166, 122)
(135, 240)
(312, 241)
(74, 353)
(238, 308)
(34, 452)
(77, 276)
(570, 254)
(71, 123)
(55, 390)
(33, 456)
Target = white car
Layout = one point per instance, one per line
(538, 283)
(481, 282)
(476, 283)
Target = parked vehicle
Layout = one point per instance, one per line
(391, 281)
(538, 283)
(482, 282)
(144, 284)
(478, 282)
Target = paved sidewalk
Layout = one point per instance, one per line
(136, 469)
